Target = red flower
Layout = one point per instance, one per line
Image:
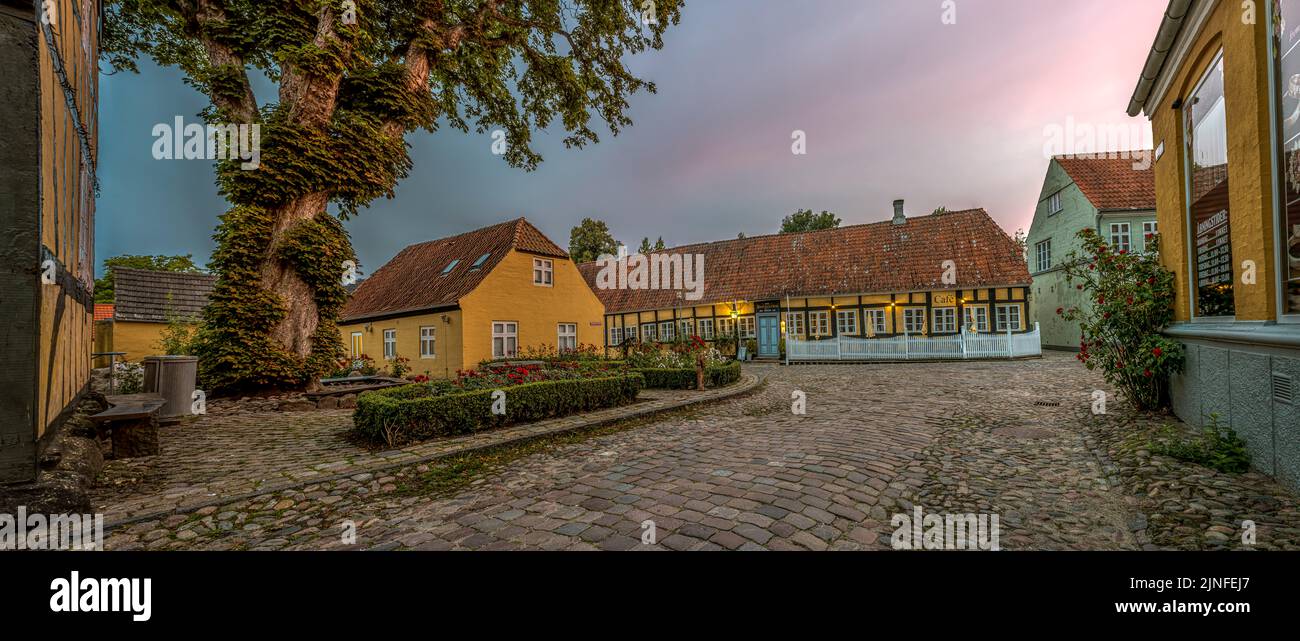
(1060, 310)
(1146, 373)
(1130, 300)
(1157, 352)
(1078, 286)
(1106, 315)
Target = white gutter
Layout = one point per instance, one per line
(1172, 23)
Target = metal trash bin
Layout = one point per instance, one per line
(173, 378)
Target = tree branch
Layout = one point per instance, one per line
(225, 65)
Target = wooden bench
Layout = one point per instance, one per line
(133, 419)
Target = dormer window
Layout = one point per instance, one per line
(479, 263)
(543, 272)
(450, 266)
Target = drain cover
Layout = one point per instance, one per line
(1048, 403)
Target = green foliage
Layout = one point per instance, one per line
(591, 239)
(684, 378)
(1132, 301)
(414, 412)
(104, 291)
(646, 248)
(509, 65)
(177, 338)
(1215, 447)
(806, 220)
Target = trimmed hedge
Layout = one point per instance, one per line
(411, 413)
(714, 376)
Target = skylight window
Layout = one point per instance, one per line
(481, 259)
(450, 266)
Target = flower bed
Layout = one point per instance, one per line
(423, 411)
(684, 378)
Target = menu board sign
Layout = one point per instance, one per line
(1213, 250)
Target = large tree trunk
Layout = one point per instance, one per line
(295, 330)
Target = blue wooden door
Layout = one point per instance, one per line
(769, 336)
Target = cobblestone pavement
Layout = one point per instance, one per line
(1016, 439)
(241, 449)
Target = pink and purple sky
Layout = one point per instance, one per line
(895, 104)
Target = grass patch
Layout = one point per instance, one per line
(1216, 447)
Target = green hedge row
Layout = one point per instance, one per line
(411, 413)
(715, 376)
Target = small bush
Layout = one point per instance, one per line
(684, 378)
(412, 413)
(1215, 447)
(128, 378)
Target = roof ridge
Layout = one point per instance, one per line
(800, 234)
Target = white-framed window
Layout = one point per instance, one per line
(390, 344)
(1119, 237)
(706, 329)
(666, 331)
(505, 339)
(1008, 317)
(747, 327)
(846, 322)
(875, 320)
(794, 324)
(945, 320)
(357, 350)
(648, 333)
(1149, 229)
(977, 318)
(629, 333)
(615, 336)
(427, 342)
(1054, 203)
(819, 323)
(566, 337)
(914, 320)
(1043, 251)
(685, 328)
(727, 327)
(543, 272)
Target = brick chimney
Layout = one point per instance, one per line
(899, 217)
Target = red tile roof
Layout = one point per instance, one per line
(103, 311)
(859, 259)
(413, 280)
(1112, 183)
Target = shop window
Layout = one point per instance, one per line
(1009, 318)
(794, 324)
(846, 322)
(1207, 182)
(914, 320)
(977, 318)
(875, 320)
(747, 327)
(1288, 96)
(945, 320)
(819, 323)
(706, 329)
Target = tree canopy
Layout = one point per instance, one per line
(353, 77)
(589, 240)
(806, 220)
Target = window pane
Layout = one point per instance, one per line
(1288, 84)
(1207, 134)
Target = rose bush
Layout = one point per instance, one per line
(1132, 298)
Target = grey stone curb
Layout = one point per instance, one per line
(747, 383)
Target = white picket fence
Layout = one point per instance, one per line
(918, 348)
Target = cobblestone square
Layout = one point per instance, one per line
(1013, 438)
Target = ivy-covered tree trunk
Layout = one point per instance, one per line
(354, 76)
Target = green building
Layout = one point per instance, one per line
(1116, 197)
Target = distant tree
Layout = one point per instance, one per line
(104, 291)
(940, 210)
(647, 248)
(589, 240)
(806, 220)
(740, 236)
(659, 244)
(1021, 241)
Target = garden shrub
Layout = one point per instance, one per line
(418, 412)
(684, 378)
(1132, 298)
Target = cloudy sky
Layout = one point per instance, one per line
(894, 104)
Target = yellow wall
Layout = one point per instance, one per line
(138, 340)
(508, 294)
(987, 298)
(67, 209)
(448, 347)
(1250, 178)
